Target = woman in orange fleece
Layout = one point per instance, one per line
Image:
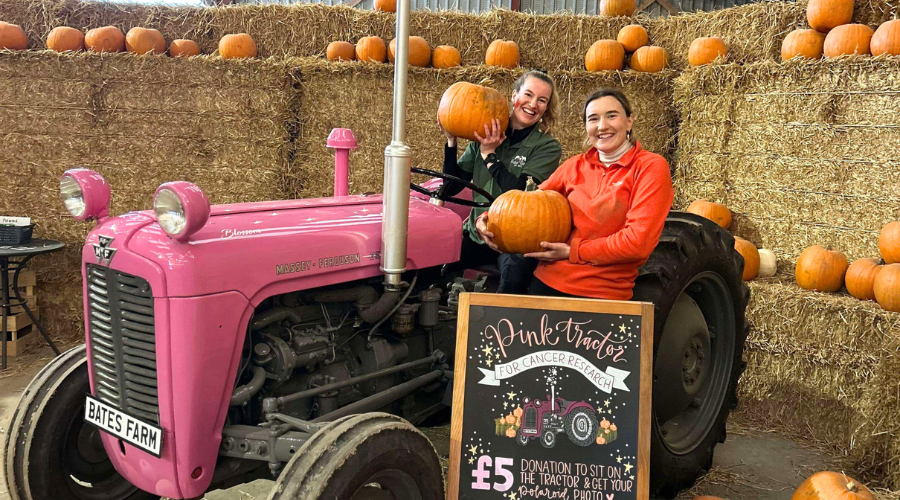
(620, 196)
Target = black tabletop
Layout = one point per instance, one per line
(35, 247)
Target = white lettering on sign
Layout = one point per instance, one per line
(613, 378)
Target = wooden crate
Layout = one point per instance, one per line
(18, 321)
(26, 278)
(32, 304)
(20, 340)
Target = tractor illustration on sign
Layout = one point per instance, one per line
(543, 420)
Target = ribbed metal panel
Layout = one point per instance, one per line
(123, 342)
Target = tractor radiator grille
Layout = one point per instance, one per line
(123, 343)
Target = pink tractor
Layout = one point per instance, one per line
(302, 340)
(543, 420)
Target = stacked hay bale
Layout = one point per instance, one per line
(139, 121)
(359, 97)
(804, 153)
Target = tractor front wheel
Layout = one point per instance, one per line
(372, 456)
(50, 451)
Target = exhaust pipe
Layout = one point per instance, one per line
(397, 160)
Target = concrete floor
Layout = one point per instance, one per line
(748, 466)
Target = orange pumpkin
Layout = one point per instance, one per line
(145, 41)
(184, 48)
(386, 5)
(633, 37)
(887, 287)
(889, 242)
(466, 108)
(706, 50)
(649, 59)
(511, 432)
(886, 39)
(503, 53)
(371, 49)
(614, 8)
(105, 39)
(605, 55)
(831, 486)
(848, 39)
(601, 440)
(821, 269)
(419, 51)
(510, 419)
(340, 51)
(860, 278)
(715, 212)
(445, 56)
(823, 15)
(804, 43)
(751, 257)
(63, 38)
(521, 220)
(12, 37)
(237, 46)
(517, 412)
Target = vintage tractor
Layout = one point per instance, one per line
(288, 338)
(545, 419)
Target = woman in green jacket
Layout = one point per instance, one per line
(501, 160)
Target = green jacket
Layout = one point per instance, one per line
(536, 156)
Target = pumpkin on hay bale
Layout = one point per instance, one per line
(768, 263)
(831, 486)
(386, 5)
(237, 46)
(371, 49)
(445, 56)
(502, 53)
(716, 212)
(886, 39)
(806, 43)
(889, 242)
(825, 15)
(751, 257)
(650, 59)
(340, 51)
(633, 37)
(860, 278)
(605, 55)
(183, 47)
(12, 37)
(848, 39)
(63, 38)
(145, 41)
(617, 8)
(466, 108)
(521, 220)
(105, 39)
(887, 287)
(821, 269)
(706, 50)
(419, 51)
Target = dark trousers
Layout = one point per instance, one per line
(516, 270)
(538, 287)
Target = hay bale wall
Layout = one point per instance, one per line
(824, 367)
(139, 121)
(550, 42)
(804, 153)
(359, 97)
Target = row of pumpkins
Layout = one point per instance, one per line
(138, 40)
(825, 486)
(833, 35)
(609, 8)
(823, 269)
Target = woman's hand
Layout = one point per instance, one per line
(481, 227)
(555, 251)
(451, 139)
(492, 139)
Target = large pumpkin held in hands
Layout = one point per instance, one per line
(419, 51)
(860, 278)
(848, 39)
(521, 220)
(633, 37)
(706, 50)
(751, 257)
(821, 269)
(145, 41)
(605, 55)
(809, 44)
(105, 39)
(371, 49)
(889, 242)
(340, 51)
(63, 38)
(445, 56)
(715, 212)
(823, 15)
(12, 37)
(615, 8)
(503, 53)
(887, 287)
(831, 486)
(886, 39)
(650, 59)
(466, 108)
(237, 46)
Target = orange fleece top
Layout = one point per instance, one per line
(618, 212)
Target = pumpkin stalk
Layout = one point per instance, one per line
(530, 185)
(851, 487)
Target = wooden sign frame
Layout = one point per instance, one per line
(642, 309)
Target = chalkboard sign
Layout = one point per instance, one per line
(551, 399)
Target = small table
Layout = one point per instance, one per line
(24, 252)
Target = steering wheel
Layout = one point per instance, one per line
(439, 193)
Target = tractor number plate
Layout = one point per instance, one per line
(123, 426)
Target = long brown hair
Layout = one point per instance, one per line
(552, 112)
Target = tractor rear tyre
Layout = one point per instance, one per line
(693, 278)
(50, 451)
(372, 456)
(581, 426)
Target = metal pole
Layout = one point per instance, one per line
(395, 213)
(4, 281)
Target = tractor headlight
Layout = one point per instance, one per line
(85, 194)
(181, 209)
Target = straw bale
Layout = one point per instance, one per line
(359, 97)
(823, 366)
(802, 152)
(140, 121)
